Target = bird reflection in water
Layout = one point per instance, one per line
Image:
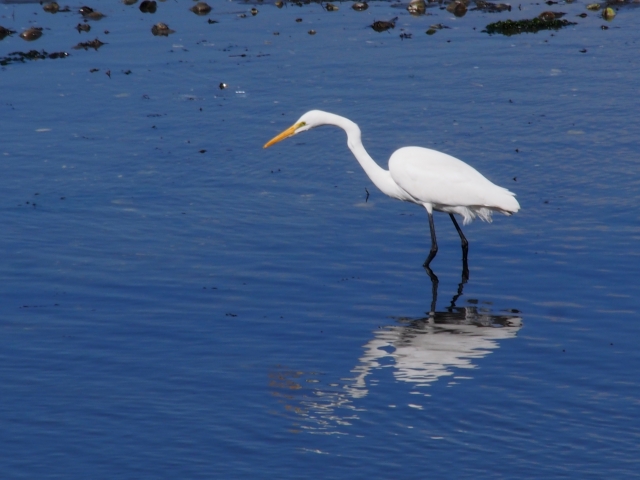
(425, 349)
(419, 352)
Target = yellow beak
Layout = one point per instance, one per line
(287, 133)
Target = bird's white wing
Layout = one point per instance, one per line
(435, 178)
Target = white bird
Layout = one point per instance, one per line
(426, 177)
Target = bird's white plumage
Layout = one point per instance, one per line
(433, 179)
(441, 182)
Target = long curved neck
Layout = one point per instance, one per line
(380, 177)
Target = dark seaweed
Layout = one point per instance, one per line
(514, 27)
(30, 55)
(95, 44)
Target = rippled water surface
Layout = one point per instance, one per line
(178, 302)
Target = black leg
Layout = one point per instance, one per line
(465, 249)
(434, 244)
(434, 288)
(432, 254)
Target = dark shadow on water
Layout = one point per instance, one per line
(445, 344)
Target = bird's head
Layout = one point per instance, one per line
(309, 120)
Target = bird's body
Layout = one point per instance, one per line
(429, 178)
(443, 183)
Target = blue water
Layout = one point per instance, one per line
(178, 302)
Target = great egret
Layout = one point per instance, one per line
(433, 179)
